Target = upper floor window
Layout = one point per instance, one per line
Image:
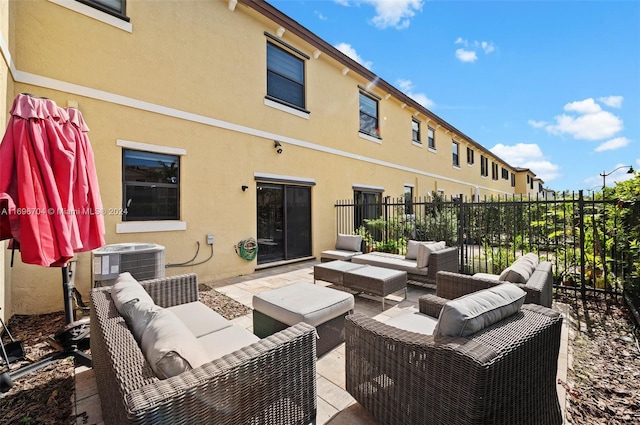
(484, 166)
(505, 174)
(470, 156)
(415, 131)
(432, 138)
(151, 185)
(513, 180)
(112, 7)
(455, 147)
(408, 200)
(494, 171)
(369, 115)
(285, 77)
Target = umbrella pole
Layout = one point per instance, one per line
(67, 291)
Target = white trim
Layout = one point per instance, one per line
(369, 187)
(150, 226)
(369, 138)
(287, 109)
(432, 150)
(267, 176)
(93, 13)
(418, 144)
(150, 148)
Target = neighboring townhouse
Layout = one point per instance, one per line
(225, 118)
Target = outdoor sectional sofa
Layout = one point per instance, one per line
(242, 379)
(533, 276)
(422, 261)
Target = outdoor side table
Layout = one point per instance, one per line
(322, 307)
(333, 271)
(376, 281)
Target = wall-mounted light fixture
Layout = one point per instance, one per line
(244, 188)
(278, 146)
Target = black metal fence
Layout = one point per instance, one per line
(587, 240)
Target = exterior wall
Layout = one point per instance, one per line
(6, 90)
(191, 76)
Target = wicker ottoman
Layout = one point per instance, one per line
(376, 281)
(333, 271)
(324, 308)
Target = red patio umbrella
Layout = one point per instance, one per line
(49, 196)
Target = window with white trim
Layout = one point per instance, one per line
(455, 148)
(285, 77)
(151, 186)
(432, 138)
(470, 154)
(415, 131)
(369, 115)
(115, 8)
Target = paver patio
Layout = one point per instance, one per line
(335, 405)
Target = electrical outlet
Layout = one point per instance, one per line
(210, 238)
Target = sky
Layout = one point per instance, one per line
(553, 86)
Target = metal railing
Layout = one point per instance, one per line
(586, 239)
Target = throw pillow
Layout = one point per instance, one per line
(518, 272)
(349, 242)
(169, 346)
(424, 253)
(126, 289)
(471, 313)
(412, 250)
(138, 316)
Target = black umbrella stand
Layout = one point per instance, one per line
(68, 340)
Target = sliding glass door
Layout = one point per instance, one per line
(284, 222)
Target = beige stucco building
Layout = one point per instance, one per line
(224, 118)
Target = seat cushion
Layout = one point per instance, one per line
(303, 302)
(336, 254)
(225, 341)
(199, 319)
(126, 289)
(348, 242)
(170, 347)
(471, 313)
(414, 322)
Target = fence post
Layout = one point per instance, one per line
(460, 232)
(583, 289)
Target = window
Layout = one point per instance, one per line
(494, 171)
(432, 138)
(112, 7)
(454, 148)
(415, 131)
(285, 77)
(513, 180)
(408, 200)
(505, 174)
(369, 115)
(470, 156)
(484, 166)
(151, 186)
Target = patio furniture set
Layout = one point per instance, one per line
(161, 356)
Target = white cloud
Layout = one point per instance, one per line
(348, 50)
(469, 52)
(390, 13)
(537, 124)
(591, 126)
(466, 55)
(587, 106)
(612, 101)
(528, 155)
(320, 15)
(613, 144)
(407, 88)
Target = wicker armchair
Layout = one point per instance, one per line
(270, 381)
(504, 374)
(539, 287)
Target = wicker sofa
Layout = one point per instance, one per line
(268, 381)
(421, 266)
(538, 284)
(502, 374)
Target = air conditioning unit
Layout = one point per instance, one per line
(143, 260)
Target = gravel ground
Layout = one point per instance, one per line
(603, 382)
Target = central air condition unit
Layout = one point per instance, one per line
(143, 260)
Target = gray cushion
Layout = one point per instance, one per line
(414, 322)
(126, 289)
(425, 250)
(169, 346)
(412, 248)
(471, 313)
(138, 316)
(199, 318)
(225, 341)
(348, 242)
(518, 272)
(336, 254)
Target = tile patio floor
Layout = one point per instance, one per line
(335, 405)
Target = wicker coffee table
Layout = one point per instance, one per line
(377, 281)
(333, 271)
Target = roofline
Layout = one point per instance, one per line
(308, 36)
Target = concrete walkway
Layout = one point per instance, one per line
(335, 405)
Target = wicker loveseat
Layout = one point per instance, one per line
(272, 380)
(502, 374)
(421, 263)
(538, 284)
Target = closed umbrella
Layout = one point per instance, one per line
(50, 203)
